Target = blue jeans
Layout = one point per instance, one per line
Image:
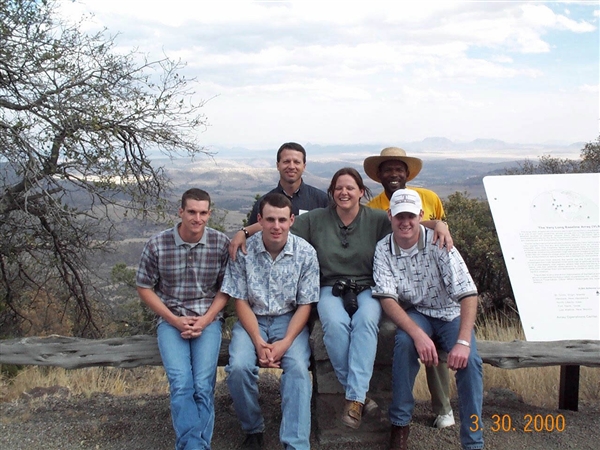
(296, 388)
(351, 343)
(469, 381)
(191, 367)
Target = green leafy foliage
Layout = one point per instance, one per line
(120, 273)
(589, 163)
(245, 221)
(217, 219)
(128, 315)
(590, 157)
(474, 233)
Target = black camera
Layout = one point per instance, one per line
(346, 289)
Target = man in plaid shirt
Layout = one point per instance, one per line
(179, 278)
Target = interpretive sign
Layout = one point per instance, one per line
(549, 231)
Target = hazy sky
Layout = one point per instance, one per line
(374, 72)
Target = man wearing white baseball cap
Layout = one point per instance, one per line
(393, 169)
(405, 200)
(429, 295)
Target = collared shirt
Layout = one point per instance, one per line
(306, 198)
(431, 279)
(432, 205)
(186, 277)
(274, 287)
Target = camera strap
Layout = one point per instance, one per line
(360, 288)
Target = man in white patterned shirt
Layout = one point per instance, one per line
(274, 285)
(430, 295)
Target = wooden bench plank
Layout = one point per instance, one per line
(134, 351)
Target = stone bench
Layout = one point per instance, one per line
(328, 394)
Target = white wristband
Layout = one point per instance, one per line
(463, 342)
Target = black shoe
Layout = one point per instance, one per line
(253, 441)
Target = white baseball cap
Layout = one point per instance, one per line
(405, 200)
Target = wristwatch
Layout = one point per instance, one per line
(463, 342)
(245, 232)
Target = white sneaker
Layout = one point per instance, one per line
(443, 421)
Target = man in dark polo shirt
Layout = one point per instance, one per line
(291, 162)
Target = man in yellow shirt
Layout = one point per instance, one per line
(392, 168)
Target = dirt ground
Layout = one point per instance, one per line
(54, 420)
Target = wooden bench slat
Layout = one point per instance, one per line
(134, 351)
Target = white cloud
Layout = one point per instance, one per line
(318, 90)
(589, 88)
(413, 95)
(502, 59)
(542, 16)
(354, 70)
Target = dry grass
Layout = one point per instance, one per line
(141, 380)
(536, 386)
(115, 381)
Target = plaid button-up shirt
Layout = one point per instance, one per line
(186, 277)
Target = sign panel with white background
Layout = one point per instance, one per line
(549, 231)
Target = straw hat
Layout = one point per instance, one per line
(372, 163)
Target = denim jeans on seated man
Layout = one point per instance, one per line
(351, 342)
(191, 391)
(440, 297)
(296, 388)
(468, 380)
(274, 285)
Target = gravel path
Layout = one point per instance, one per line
(59, 421)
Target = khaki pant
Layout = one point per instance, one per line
(438, 381)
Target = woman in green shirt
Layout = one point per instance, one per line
(345, 235)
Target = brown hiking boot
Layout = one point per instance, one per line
(399, 437)
(352, 414)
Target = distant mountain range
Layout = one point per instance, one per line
(235, 175)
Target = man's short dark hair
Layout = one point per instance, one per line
(194, 194)
(292, 146)
(276, 200)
